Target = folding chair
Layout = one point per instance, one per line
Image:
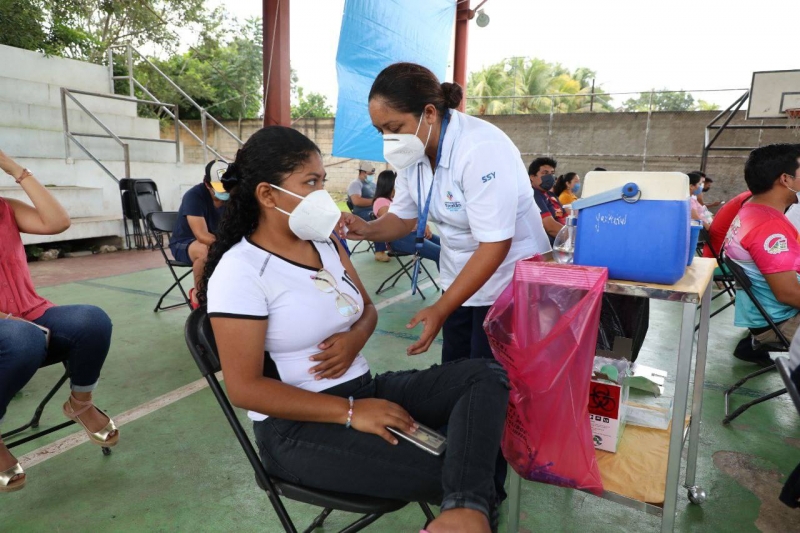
(406, 268)
(726, 278)
(130, 214)
(51, 359)
(161, 224)
(201, 343)
(745, 284)
(147, 201)
(370, 246)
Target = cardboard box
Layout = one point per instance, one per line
(608, 395)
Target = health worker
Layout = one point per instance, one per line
(466, 176)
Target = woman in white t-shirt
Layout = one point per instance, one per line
(291, 316)
(476, 187)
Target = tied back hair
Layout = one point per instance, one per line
(562, 183)
(268, 156)
(385, 185)
(408, 88)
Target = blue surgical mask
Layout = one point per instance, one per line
(370, 178)
(576, 188)
(698, 191)
(222, 196)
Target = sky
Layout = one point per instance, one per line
(632, 45)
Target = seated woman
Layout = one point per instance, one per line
(384, 192)
(291, 316)
(699, 211)
(81, 332)
(567, 187)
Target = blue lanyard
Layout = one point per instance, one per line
(422, 212)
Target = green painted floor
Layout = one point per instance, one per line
(180, 468)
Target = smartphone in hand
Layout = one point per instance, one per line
(423, 437)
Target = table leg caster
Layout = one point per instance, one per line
(106, 451)
(697, 495)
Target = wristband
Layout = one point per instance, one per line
(349, 413)
(25, 174)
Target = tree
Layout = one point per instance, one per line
(501, 89)
(314, 105)
(702, 105)
(85, 29)
(661, 101)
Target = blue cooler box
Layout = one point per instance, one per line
(645, 238)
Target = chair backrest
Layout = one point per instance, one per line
(147, 197)
(791, 384)
(162, 221)
(201, 342)
(740, 276)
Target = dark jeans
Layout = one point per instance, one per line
(82, 333)
(365, 213)
(470, 397)
(463, 335)
(431, 248)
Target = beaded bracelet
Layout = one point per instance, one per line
(25, 174)
(349, 413)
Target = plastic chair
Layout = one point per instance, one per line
(160, 224)
(51, 359)
(745, 284)
(201, 343)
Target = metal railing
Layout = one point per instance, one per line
(120, 139)
(133, 84)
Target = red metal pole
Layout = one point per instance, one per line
(460, 56)
(277, 72)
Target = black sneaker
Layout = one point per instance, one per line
(744, 351)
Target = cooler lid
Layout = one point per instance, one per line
(654, 185)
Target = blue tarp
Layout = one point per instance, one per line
(375, 34)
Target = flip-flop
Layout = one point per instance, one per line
(192, 303)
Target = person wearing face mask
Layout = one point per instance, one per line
(699, 211)
(567, 187)
(765, 244)
(360, 194)
(707, 182)
(291, 317)
(198, 219)
(541, 174)
(466, 176)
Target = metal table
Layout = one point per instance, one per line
(693, 289)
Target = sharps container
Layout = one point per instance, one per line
(636, 224)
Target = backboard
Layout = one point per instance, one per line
(772, 93)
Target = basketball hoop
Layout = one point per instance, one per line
(793, 115)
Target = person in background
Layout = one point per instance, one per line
(567, 188)
(31, 326)
(765, 244)
(706, 187)
(541, 174)
(198, 218)
(699, 212)
(360, 194)
(384, 192)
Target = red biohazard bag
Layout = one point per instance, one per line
(543, 330)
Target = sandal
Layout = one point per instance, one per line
(101, 437)
(192, 303)
(6, 483)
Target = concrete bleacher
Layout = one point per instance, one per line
(31, 132)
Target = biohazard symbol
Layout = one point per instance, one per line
(598, 440)
(601, 399)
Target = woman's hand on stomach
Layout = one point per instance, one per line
(372, 415)
(338, 353)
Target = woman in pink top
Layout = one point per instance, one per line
(31, 326)
(384, 191)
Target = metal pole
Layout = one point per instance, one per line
(697, 395)
(647, 131)
(591, 100)
(205, 134)
(463, 13)
(127, 155)
(514, 494)
(110, 53)
(129, 53)
(65, 120)
(550, 128)
(176, 122)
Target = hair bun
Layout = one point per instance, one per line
(231, 177)
(453, 94)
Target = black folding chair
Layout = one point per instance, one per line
(147, 201)
(740, 276)
(130, 214)
(201, 343)
(51, 359)
(370, 246)
(407, 268)
(161, 224)
(726, 278)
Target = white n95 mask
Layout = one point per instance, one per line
(315, 217)
(401, 150)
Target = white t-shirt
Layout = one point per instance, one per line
(481, 193)
(252, 283)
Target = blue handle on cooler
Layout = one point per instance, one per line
(628, 192)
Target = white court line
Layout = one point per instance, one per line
(70, 441)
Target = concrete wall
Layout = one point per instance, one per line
(579, 141)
